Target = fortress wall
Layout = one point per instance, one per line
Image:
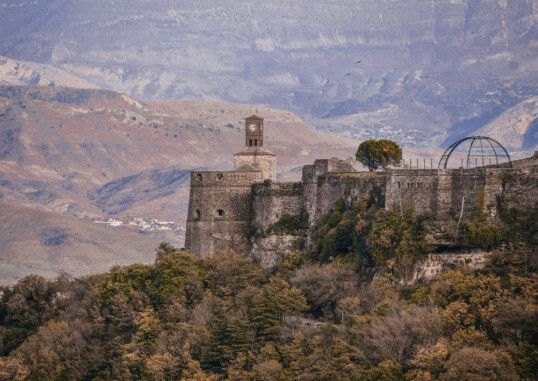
(271, 201)
(309, 191)
(521, 187)
(337, 165)
(493, 187)
(329, 179)
(416, 186)
(219, 211)
(443, 194)
(321, 193)
(467, 183)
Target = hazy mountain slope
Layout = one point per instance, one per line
(14, 72)
(45, 243)
(516, 128)
(155, 190)
(80, 151)
(430, 71)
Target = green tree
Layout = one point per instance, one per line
(177, 277)
(378, 153)
(276, 299)
(164, 249)
(228, 273)
(321, 354)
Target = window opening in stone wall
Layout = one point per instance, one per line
(399, 184)
(418, 184)
(196, 214)
(220, 213)
(255, 142)
(198, 177)
(250, 142)
(220, 176)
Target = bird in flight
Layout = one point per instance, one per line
(359, 61)
(347, 74)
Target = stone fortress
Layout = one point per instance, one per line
(225, 206)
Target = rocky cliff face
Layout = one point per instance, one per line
(429, 71)
(22, 73)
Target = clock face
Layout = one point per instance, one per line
(252, 127)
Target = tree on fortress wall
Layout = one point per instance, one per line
(379, 153)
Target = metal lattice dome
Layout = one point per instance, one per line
(475, 151)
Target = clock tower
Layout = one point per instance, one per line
(254, 158)
(254, 132)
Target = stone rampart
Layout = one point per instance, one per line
(321, 191)
(447, 193)
(272, 200)
(224, 205)
(418, 186)
(519, 188)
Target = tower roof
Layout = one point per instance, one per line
(254, 116)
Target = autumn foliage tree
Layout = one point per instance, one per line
(378, 153)
(340, 310)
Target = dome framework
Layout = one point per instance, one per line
(482, 151)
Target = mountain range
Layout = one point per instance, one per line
(423, 73)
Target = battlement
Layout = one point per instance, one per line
(323, 167)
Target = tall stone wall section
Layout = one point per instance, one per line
(219, 211)
(519, 188)
(466, 186)
(272, 200)
(418, 186)
(449, 193)
(441, 191)
(325, 181)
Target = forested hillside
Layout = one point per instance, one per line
(341, 311)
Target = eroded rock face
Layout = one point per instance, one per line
(272, 250)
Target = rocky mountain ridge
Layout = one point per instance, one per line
(422, 73)
(23, 73)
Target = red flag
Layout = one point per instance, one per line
(385, 149)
